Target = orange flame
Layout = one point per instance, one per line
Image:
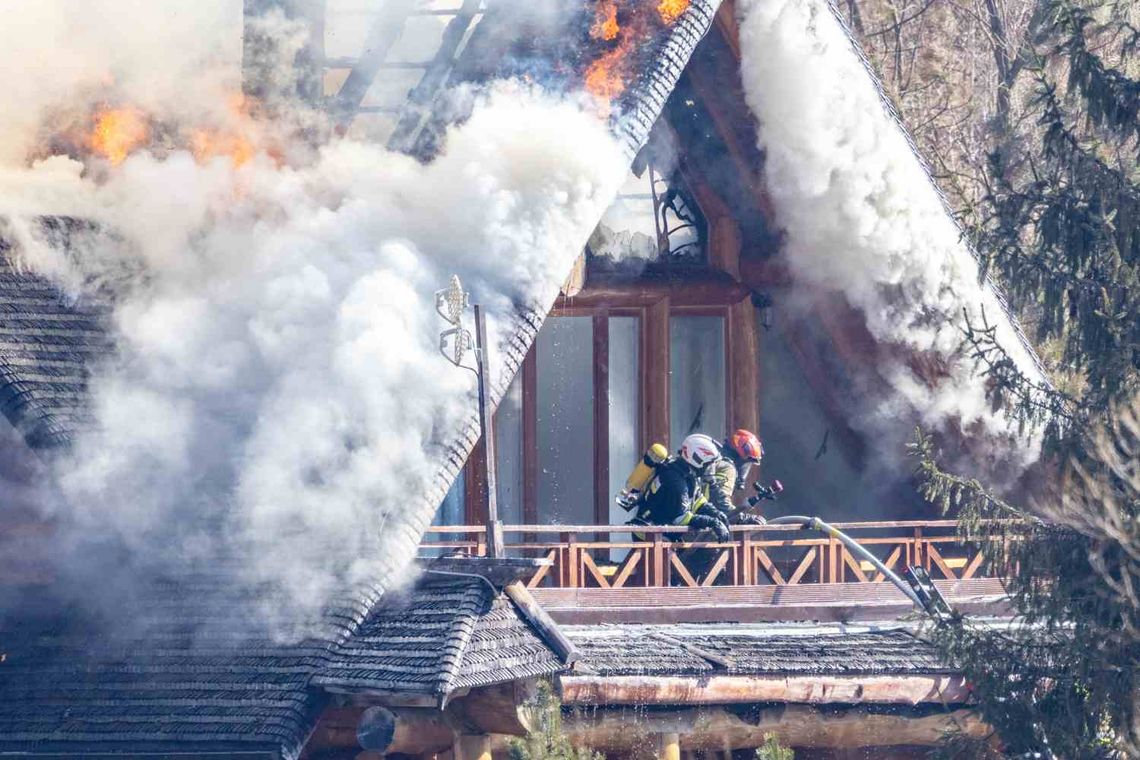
(671, 10)
(605, 77)
(606, 25)
(208, 143)
(117, 132)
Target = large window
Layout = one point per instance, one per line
(509, 454)
(574, 421)
(696, 377)
(564, 355)
(623, 407)
(655, 217)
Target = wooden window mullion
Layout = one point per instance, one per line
(601, 418)
(530, 438)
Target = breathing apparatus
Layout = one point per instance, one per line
(635, 484)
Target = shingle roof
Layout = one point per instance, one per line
(448, 634)
(771, 649)
(47, 345)
(188, 672)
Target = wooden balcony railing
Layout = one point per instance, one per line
(607, 556)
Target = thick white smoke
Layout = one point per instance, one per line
(860, 214)
(278, 394)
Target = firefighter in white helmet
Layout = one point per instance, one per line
(676, 495)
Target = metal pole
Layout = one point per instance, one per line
(494, 528)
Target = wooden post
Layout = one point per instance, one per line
(573, 561)
(658, 579)
(833, 560)
(747, 559)
(743, 362)
(602, 495)
(473, 747)
(669, 746)
(655, 379)
(494, 527)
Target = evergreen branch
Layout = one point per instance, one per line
(1032, 401)
(1111, 96)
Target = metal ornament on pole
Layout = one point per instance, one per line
(454, 343)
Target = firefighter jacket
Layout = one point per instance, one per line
(672, 495)
(676, 496)
(723, 484)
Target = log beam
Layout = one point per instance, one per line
(801, 726)
(710, 288)
(655, 375)
(683, 690)
(744, 368)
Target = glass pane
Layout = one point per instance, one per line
(509, 453)
(696, 377)
(565, 403)
(625, 400)
(451, 511)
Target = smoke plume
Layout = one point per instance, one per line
(277, 394)
(862, 217)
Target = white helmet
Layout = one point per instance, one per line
(699, 450)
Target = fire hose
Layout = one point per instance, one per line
(918, 586)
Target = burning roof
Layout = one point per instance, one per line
(260, 699)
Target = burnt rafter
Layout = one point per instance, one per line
(386, 30)
(418, 107)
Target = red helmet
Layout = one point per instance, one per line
(745, 445)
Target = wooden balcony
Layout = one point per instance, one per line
(609, 557)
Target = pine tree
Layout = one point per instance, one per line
(1060, 228)
(548, 741)
(772, 749)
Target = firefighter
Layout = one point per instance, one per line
(676, 494)
(738, 453)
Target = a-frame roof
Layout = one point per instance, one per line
(44, 360)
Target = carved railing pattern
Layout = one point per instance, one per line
(607, 556)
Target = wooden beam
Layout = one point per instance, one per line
(542, 622)
(729, 29)
(501, 709)
(601, 332)
(530, 438)
(655, 377)
(801, 726)
(770, 272)
(709, 288)
(576, 279)
(686, 690)
(743, 367)
(708, 90)
(383, 35)
(416, 731)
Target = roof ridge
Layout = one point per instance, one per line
(476, 602)
(988, 283)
